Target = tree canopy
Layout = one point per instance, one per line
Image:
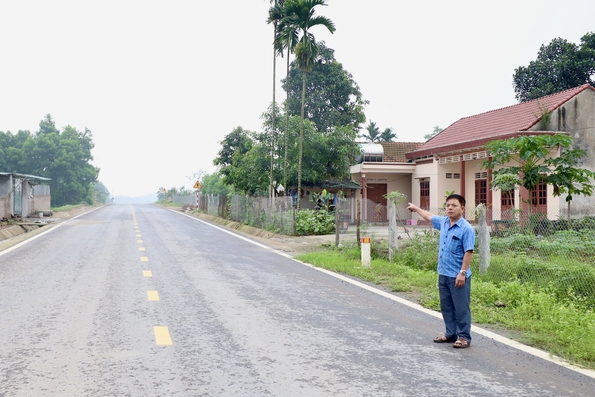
(435, 132)
(64, 156)
(326, 156)
(526, 161)
(559, 66)
(373, 134)
(333, 98)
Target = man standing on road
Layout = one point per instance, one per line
(457, 239)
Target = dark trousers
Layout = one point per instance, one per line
(454, 305)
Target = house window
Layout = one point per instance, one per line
(481, 191)
(540, 194)
(424, 194)
(507, 198)
(453, 175)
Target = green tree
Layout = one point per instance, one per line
(62, 156)
(213, 184)
(71, 173)
(527, 160)
(300, 14)
(326, 156)
(568, 178)
(275, 18)
(236, 141)
(243, 161)
(102, 195)
(559, 66)
(286, 39)
(436, 131)
(373, 132)
(333, 98)
(388, 135)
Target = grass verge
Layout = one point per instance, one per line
(537, 316)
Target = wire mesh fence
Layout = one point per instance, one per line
(550, 251)
(547, 250)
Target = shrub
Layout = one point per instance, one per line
(308, 222)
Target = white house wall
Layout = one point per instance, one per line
(577, 116)
(449, 185)
(426, 171)
(401, 183)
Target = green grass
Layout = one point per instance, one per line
(68, 207)
(541, 316)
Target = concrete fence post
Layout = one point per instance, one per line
(392, 230)
(484, 240)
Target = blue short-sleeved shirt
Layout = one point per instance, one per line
(455, 240)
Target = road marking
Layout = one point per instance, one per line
(162, 337)
(50, 228)
(139, 241)
(489, 334)
(141, 248)
(138, 235)
(153, 295)
(144, 258)
(147, 273)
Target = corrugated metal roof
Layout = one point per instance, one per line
(41, 178)
(496, 123)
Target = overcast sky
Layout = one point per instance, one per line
(160, 83)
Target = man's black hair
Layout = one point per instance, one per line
(457, 197)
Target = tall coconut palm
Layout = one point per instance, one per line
(388, 135)
(300, 16)
(286, 39)
(274, 18)
(373, 134)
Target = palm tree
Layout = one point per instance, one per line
(387, 135)
(300, 18)
(285, 39)
(275, 20)
(373, 134)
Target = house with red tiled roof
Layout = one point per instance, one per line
(381, 168)
(452, 160)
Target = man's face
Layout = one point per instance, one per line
(454, 210)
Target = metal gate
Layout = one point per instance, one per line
(18, 197)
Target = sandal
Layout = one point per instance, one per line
(461, 343)
(443, 339)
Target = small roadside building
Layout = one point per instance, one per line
(23, 195)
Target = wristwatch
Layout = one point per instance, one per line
(463, 271)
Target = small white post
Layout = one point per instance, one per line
(365, 249)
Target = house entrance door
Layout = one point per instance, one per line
(377, 203)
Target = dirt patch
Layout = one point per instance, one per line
(291, 245)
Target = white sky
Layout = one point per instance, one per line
(160, 83)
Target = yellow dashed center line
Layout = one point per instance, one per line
(152, 295)
(162, 337)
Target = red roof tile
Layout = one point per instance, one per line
(496, 123)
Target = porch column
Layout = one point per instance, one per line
(462, 182)
(489, 197)
(364, 206)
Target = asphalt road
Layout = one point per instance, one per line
(142, 301)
